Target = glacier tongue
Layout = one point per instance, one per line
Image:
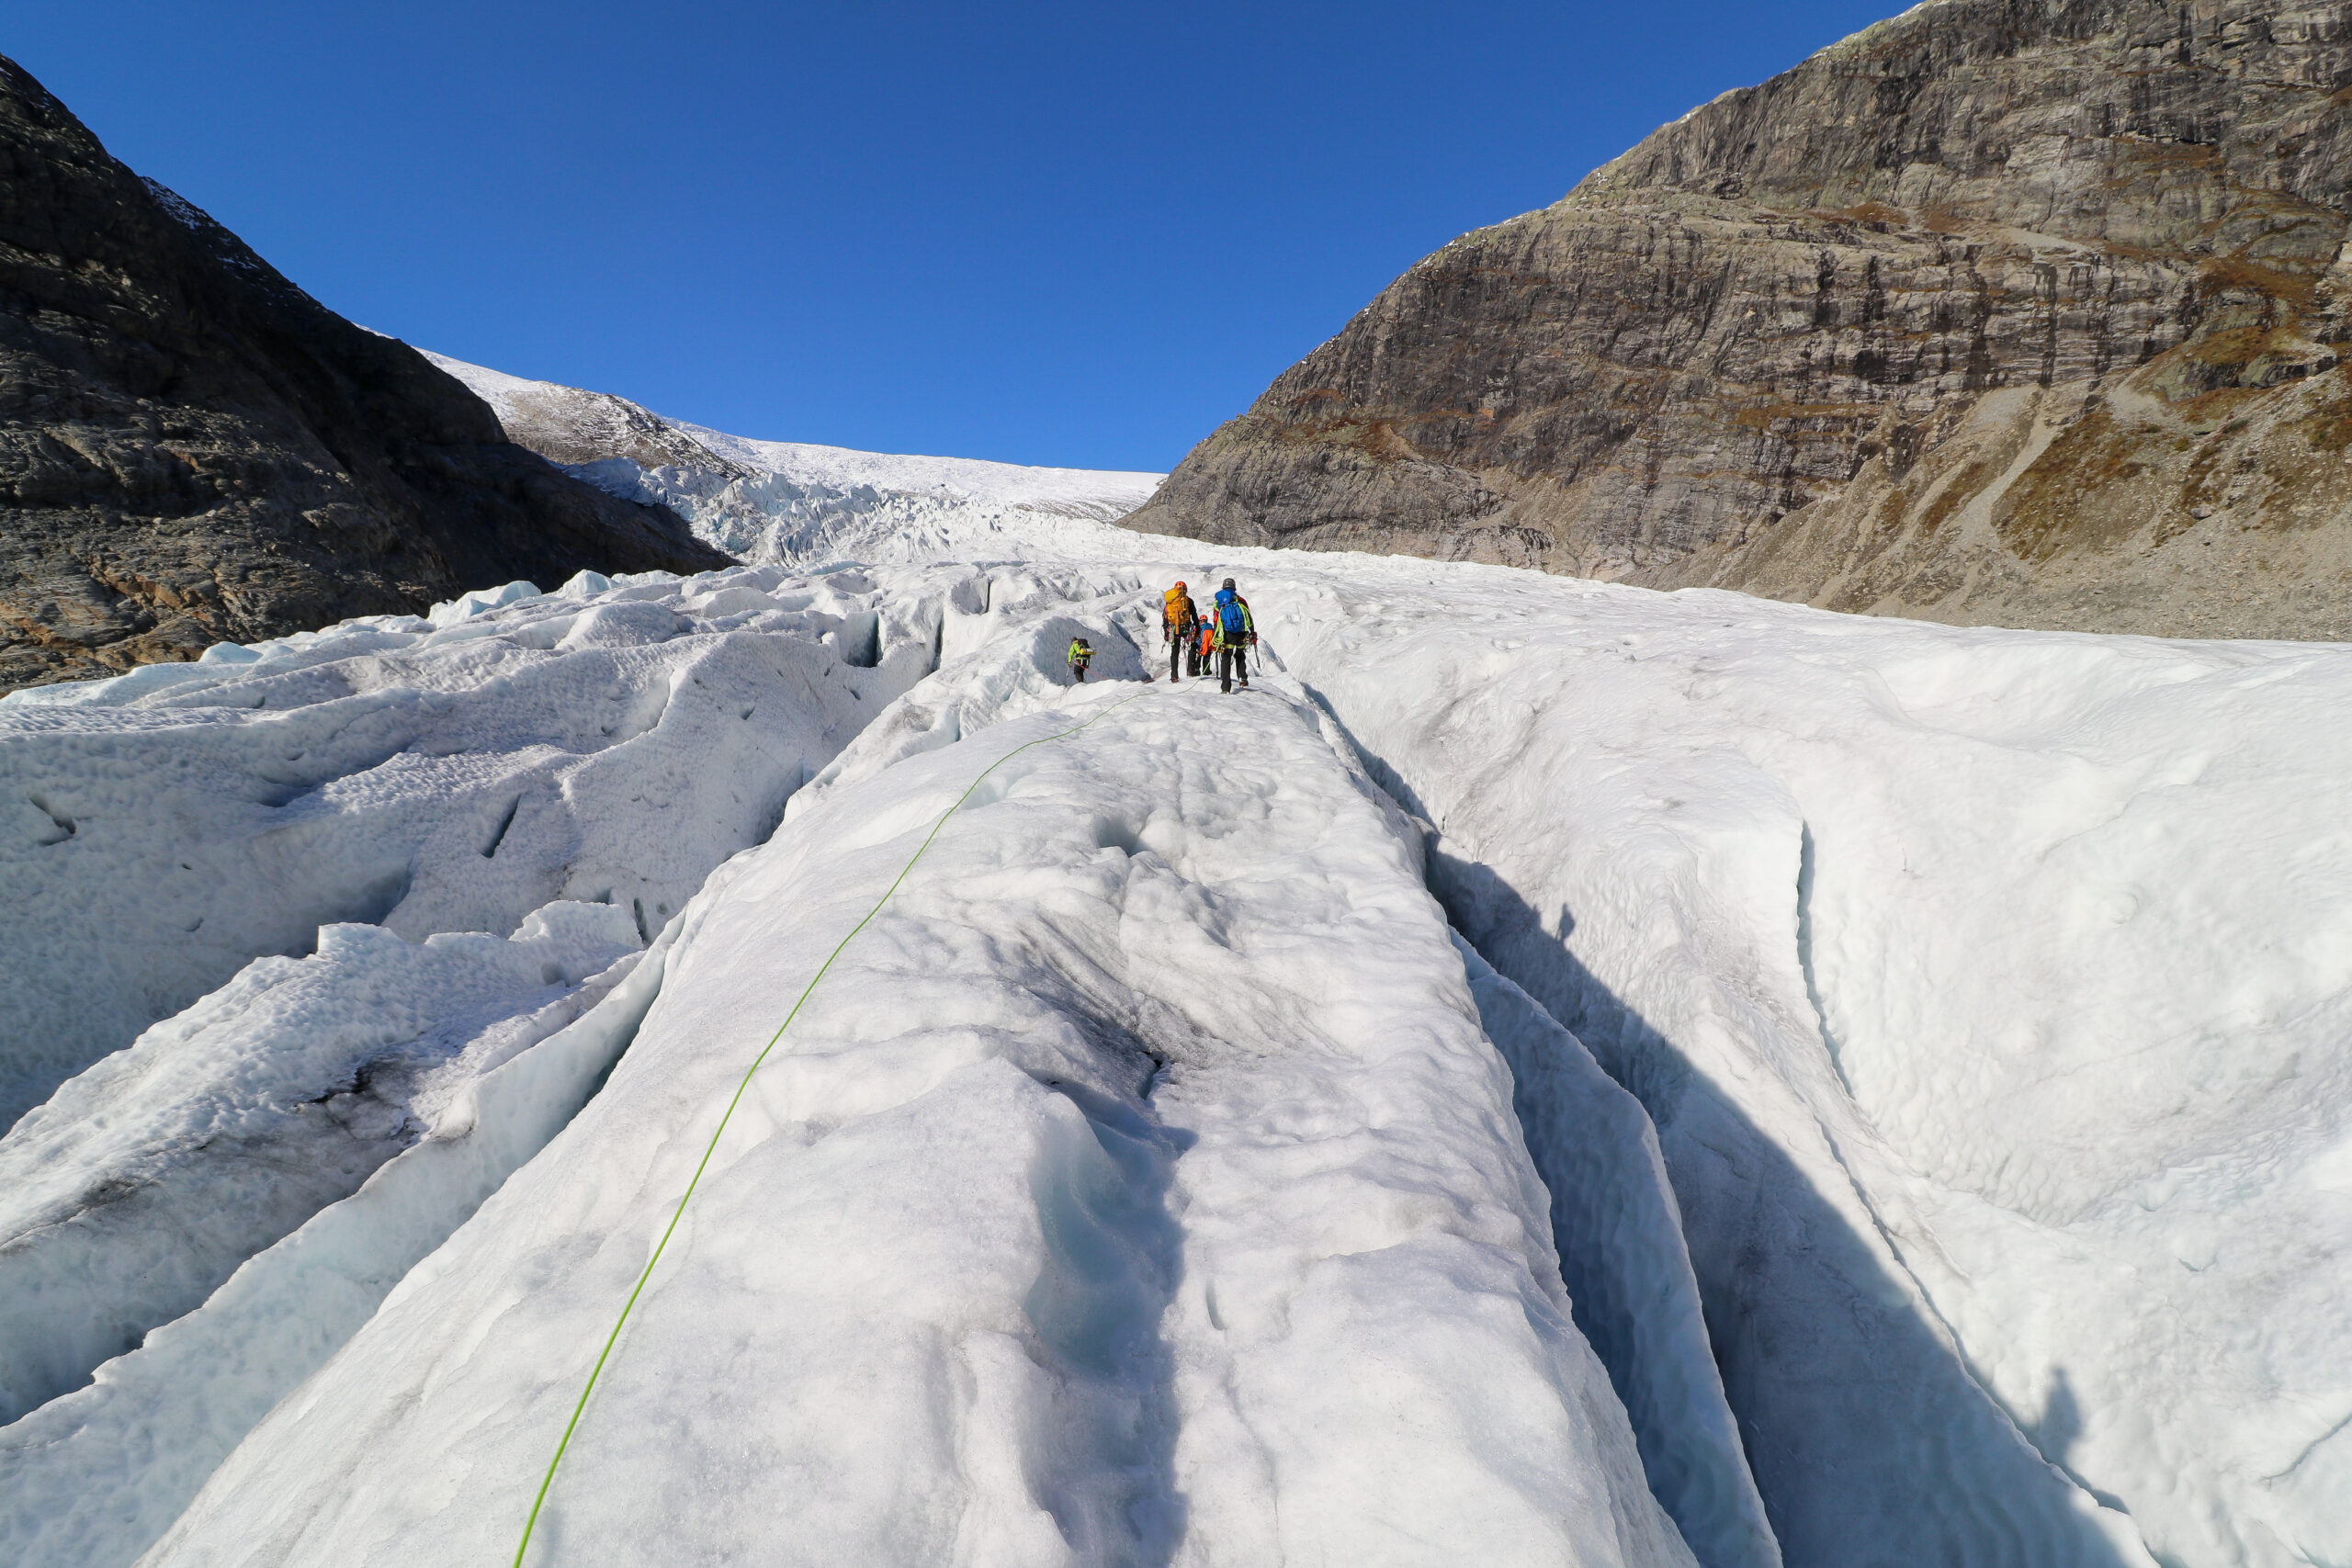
(809, 511)
(799, 504)
(1139, 1187)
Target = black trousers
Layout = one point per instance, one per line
(1229, 660)
(1176, 645)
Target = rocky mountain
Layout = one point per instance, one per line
(796, 503)
(2016, 311)
(192, 449)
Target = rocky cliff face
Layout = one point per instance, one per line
(192, 449)
(2023, 311)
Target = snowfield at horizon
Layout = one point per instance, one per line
(795, 503)
(1556, 1073)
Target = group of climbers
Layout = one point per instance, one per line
(1223, 635)
(1221, 639)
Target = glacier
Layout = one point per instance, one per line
(796, 503)
(1556, 1072)
(950, 1204)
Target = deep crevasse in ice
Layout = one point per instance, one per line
(1990, 992)
(139, 1187)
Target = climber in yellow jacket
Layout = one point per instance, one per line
(1178, 618)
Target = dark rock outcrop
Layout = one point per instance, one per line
(193, 450)
(2025, 312)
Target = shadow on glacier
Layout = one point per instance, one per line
(2058, 1429)
(1868, 1437)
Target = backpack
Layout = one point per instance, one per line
(1231, 619)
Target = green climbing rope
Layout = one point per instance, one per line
(712, 1147)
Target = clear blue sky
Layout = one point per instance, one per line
(1042, 232)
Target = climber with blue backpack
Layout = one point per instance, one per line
(1236, 633)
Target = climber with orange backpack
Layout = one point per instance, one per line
(1178, 621)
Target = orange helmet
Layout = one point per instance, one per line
(1180, 585)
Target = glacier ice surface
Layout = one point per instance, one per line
(1929, 1049)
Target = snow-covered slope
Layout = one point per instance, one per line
(793, 503)
(1103, 497)
(1883, 1095)
(1992, 994)
(573, 426)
